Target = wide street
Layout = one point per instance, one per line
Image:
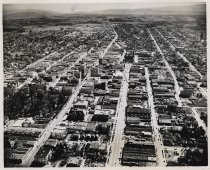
(192, 67)
(176, 87)
(157, 137)
(117, 144)
(29, 157)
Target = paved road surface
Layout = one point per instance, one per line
(198, 119)
(176, 87)
(29, 80)
(157, 137)
(29, 157)
(117, 143)
(53, 84)
(192, 67)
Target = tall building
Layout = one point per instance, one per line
(82, 72)
(94, 72)
(100, 61)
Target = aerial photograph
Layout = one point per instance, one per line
(105, 85)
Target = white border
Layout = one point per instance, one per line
(93, 1)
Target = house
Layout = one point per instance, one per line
(166, 122)
(91, 127)
(59, 132)
(74, 162)
(51, 143)
(93, 149)
(80, 149)
(103, 148)
(18, 154)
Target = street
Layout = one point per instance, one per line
(157, 137)
(118, 143)
(29, 157)
(176, 87)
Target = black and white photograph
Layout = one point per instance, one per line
(117, 84)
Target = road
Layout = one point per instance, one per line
(202, 90)
(112, 27)
(179, 34)
(192, 67)
(181, 55)
(118, 143)
(40, 60)
(176, 85)
(55, 62)
(157, 137)
(198, 119)
(53, 84)
(136, 37)
(171, 34)
(118, 104)
(29, 80)
(29, 157)
(108, 47)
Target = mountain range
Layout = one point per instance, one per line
(198, 9)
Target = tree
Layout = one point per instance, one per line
(6, 143)
(194, 158)
(203, 115)
(199, 95)
(185, 64)
(184, 132)
(102, 129)
(40, 95)
(76, 115)
(201, 131)
(61, 99)
(58, 151)
(31, 91)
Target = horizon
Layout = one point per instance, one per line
(93, 7)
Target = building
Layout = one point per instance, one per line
(42, 156)
(138, 155)
(59, 132)
(101, 115)
(81, 104)
(73, 162)
(94, 72)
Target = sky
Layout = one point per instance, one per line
(88, 7)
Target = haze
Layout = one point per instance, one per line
(90, 7)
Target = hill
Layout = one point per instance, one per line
(26, 14)
(198, 9)
(193, 9)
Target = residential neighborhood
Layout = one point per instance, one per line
(105, 90)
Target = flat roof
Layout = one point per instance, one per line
(101, 112)
(18, 123)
